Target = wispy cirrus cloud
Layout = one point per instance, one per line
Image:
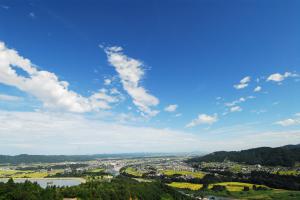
(131, 72)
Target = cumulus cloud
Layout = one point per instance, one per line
(171, 108)
(131, 72)
(290, 121)
(235, 109)
(107, 81)
(203, 119)
(257, 89)
(45, 85)
(4, 97)
(243, 83)
(277, 77)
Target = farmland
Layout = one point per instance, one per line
(26, 173)
(184, 185)
(183, 173)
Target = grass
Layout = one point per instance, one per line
(96, 170)
(142, 180)
(256, 195)
(193, 174)
(134, 172)
(183, 185)
(288, 172)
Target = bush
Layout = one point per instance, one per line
(218, 188)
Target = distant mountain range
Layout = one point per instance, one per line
(25, 158)
(280, 156)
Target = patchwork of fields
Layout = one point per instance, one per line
(26, 173)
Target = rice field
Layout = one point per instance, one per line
(189, 173)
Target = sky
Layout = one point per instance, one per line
(122, 76)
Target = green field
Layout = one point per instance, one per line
(96, 170)
(193, 174)
(133, 171)
(288, 172)
(235, 190)
(256, 195)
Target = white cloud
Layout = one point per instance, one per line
(32, 15)
(131, 72)
(257, 89)
(260, 111)
(277, 77)
(171, 108)
(45, 85)
(236, 109)
(238, 101)
(37, 132)
(107, 81)
(288, 122)
(203, 119)
(4, 97)
(243, 83)
(4, 7)
(178, 115)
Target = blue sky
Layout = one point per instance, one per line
(148, 76)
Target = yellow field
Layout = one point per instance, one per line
(230, 186)
(26, 174)
(235, 186)
(183, 185)
(193, 174)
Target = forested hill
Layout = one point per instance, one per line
(25, 158)
(279, 156)
(120, 188)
